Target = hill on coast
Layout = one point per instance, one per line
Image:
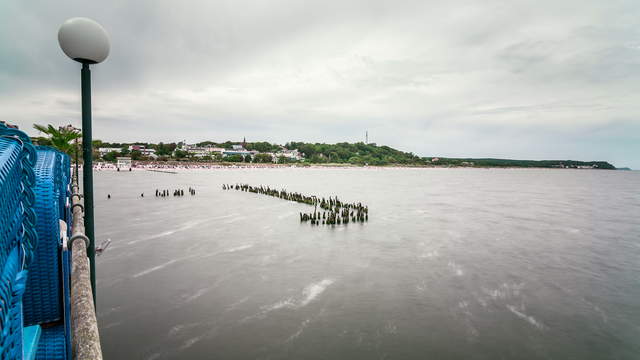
(340, 153)
(371, 154)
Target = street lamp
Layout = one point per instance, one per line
(86, 42)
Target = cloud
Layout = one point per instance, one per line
(518, 79)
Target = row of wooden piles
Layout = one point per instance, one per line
(176, 192)
(332, 211)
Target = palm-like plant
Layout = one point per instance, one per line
(60, 138)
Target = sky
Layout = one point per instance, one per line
(542, 79)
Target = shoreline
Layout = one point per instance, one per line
(168, 167)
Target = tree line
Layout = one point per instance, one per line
(354, 153)
(488, 162)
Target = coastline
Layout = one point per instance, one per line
(176, 165)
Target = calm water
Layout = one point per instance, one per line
(453, 263)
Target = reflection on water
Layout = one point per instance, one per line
(453, 263)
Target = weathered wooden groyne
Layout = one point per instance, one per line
(332, 211)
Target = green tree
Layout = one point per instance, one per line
(263, 158)
(60, 138)
(110, 156)
(284, 160)
(262, 146)
(162, 149)
(355, 160)
(234, 158)
(179, 154)
(136, 155)
(167, 149)
(318, 158)
(357, 153)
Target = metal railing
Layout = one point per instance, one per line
(84, 323)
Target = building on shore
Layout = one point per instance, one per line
(238, 152)
(123, 163)
(143, 150)
(236, 149)
(202, 151)
(289, 154)
(105, 150)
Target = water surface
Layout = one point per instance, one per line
(453, 263)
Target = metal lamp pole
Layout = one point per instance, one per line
(87, 172)
(85, 41)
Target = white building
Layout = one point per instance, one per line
(105, 150)
(237, 152)
(148, 152)
(143, 150)
(202, 151)
(213, 150)
(290, 154)
(137, 148)
(198, 151)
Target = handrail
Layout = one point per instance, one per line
(84, 324)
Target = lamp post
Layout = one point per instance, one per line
(86, 42)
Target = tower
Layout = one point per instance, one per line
(366, 137)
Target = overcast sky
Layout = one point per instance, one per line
(542, 79)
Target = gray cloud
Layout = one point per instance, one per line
(517, 79)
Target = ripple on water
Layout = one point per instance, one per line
(155, 268)
(235, 305)
(309, 294)
(298, 332)
(196, 295)
(528, 318)
(239, 248)
(186, 226)
(313, 290)
(189, 343)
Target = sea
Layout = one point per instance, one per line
(453, 263)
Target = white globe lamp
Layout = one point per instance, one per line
(84, 40)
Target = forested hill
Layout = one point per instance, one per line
(357, 153)
(522, 163)
(371, 154)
